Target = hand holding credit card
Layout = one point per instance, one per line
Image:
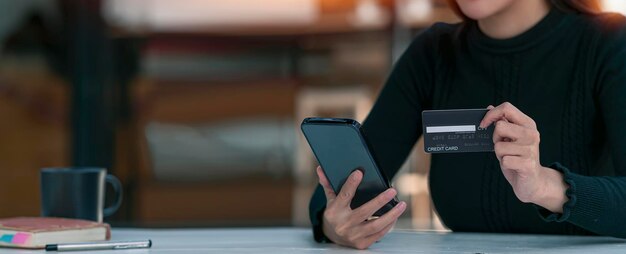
(456, 131)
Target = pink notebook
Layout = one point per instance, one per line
(36, 232)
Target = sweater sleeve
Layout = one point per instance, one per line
(394, 123)
(598, 203)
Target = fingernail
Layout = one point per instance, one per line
(390, 193)
(401, 205)
(356, 175)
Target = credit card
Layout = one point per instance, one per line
(456, 131)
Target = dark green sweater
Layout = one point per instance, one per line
(568, 73)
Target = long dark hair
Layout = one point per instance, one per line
(571, 6)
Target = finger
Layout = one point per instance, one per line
(507, 111)
(349, 188)
(366, 242)
(380, 234)
(389, 217)
(510, 132)
(505, 131)
(368, 209)
(372, 237)
(517, 164)
(490, 107)
(328, 190)
(511, 149)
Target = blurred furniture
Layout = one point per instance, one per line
(13, 14)
(200, 80)
(225, 197)
(34, 130)
(254, 18)
(34, 105)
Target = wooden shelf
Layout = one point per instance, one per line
(333, 23)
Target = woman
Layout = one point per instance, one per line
(552, 67)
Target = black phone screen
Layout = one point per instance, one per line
(340, 148)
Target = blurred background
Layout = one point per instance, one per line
(195, 104)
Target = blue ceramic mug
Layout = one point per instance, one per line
(78, 193)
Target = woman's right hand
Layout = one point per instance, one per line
(349, 227)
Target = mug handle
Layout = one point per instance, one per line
(117, 187)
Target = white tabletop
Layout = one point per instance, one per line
(299, 240)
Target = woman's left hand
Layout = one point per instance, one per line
(516, 144)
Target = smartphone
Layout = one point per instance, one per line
(340, 147)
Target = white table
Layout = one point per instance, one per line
(299, 240)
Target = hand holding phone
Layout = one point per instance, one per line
(348, 227)
(355, 189)
(340, 147)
